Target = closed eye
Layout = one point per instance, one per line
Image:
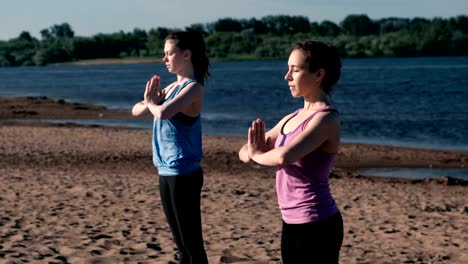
(296, 68)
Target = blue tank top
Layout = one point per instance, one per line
(177, 141)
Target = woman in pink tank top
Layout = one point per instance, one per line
(303, 146)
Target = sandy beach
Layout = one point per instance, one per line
(89, 194)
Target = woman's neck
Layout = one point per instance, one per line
(316, 102)
(181, 79)
(184, 75)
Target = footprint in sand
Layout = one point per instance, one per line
(229, 257)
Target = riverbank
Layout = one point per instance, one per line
(89, 194)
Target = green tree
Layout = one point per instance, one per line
(51, 54)
(273, 47)
(282, 24)
(24, 35)
(197, 27)
(328, 28)
(315, 28)
(267, 38)
(20, 50)
(255, 25)
(154, 43)
(462, 23)
(63, 30)
(359, 25)
(84, 48)
(392, 24)
(5, 57)
(418, 25)
(227, 25)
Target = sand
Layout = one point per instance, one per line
(89, 194)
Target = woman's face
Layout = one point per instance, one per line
(301, 82)
(174, 58)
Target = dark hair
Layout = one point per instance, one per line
(193, 41)
(321, 55)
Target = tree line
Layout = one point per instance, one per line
(269, 37)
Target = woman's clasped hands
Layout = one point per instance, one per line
(256, 142)
(152, 93)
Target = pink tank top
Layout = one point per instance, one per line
(302, 187)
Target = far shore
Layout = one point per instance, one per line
(146, 60)
(105, 61)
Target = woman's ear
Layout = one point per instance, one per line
(188, 54)
(320, 73)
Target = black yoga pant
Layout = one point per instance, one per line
(315, 242)
(180, 197)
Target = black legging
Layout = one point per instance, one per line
(180, 197)
(315, 242)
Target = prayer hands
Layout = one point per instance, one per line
(152, 93)
(256, 138)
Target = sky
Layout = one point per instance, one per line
(90, 17)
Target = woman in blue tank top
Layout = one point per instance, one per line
(177, 139)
